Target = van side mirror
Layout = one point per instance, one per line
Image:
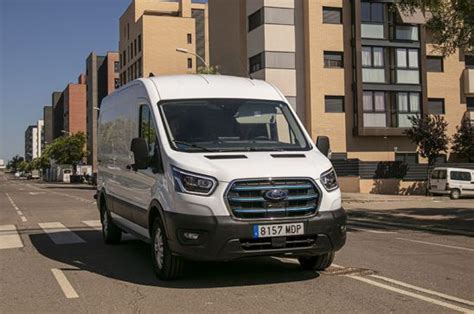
(322, 144)
(139, 148)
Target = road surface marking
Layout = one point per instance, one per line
(9, 237)
(412, 294)
(437, 244)
(368, 230)
(95, 224)
(59, 233)
(65, 285)
(427, 291)
(22, 217)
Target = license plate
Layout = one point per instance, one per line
(277, 230)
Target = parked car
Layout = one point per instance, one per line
(215, 168)
(456, 182)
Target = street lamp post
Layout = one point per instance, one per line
(183, 50)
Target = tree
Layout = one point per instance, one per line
(428, 132)
(463, 141)
(14, 163)
(451, 22)
(68, 150)
(208, 70)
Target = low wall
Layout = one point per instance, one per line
(349, 184)
(392, 186)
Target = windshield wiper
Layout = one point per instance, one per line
(192, 145)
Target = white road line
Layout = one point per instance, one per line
(427, 291)
(22, 217)
(437, 244)
(95, 224)
(65, 285)
(9, 237)
(59, 233)
(412, 294)
(368, 230)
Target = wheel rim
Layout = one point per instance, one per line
(105, 222)
(158, 247)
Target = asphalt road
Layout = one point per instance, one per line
(53, 259)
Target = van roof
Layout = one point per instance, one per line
(455, 169)
(213, 86)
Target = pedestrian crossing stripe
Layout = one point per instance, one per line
(9, 237)
(59, 234)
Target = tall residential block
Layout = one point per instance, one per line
(102, 77)
(48, 125)
(74, 108)
(57, 103)
(353, 70)
(151, 31)
(31, 142)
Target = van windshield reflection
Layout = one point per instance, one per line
(231, 125)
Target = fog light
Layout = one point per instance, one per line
(343, 228)
(191, 235)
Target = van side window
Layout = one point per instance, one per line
(147, 128)
(460, 176)
(435, 174)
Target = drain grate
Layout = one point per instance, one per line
(353, 271)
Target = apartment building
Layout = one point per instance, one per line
(48, 125)
(102, 77)
(353, 70)
(57, 103)
(75, 107)
(31, 142)
(152, 30)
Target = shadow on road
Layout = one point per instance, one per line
(130, 261)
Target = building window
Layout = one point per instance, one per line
(334, 103)
(132, 50)
(279, 16)
(408, 105)
(374, 106)
(139, 62)
(407, 32)
(469, 61)
(434, 64)
(139, 43)
(135, 47)
(279, 60)
(116, 66)
(117, 83)
(470, 103)
(128, 31)
(407, 66)
(436, 106)
(332, 15)
(373, 65)
(372, 14)
(333, 59)
(407, 158)
(190, 63)
(255, 20)
(124, 57)
(256, 63)
(190, 38)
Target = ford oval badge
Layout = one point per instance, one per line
(275, 195)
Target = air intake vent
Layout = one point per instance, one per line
(226, 157)
(288, 155)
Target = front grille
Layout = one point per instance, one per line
(299, 241)
(246, 199)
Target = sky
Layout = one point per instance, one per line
(43, 47)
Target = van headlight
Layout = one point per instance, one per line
(329, 180)
(193, 183)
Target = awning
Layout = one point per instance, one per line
(417, 17)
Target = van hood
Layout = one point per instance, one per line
(226, 167)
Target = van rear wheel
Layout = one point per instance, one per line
(166, 265)
(455, 194)
(319, 262)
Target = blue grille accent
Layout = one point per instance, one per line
(246, 198)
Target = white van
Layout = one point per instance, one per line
(456, 182)
(210, 167)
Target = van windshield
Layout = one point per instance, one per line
(232, 125)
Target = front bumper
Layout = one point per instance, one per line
(222, 238)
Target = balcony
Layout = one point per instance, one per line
(469, 116)
(469, 82)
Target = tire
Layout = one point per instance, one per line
(455, 194)
(166, 265)
(319, 262)
(110, 232)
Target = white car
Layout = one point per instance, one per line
(456, 182)
(215, 168)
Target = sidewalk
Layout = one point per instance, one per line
(368, 198)
(63, 185)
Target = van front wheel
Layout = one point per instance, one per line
(319, 262)
(166, 265)
(455, 194)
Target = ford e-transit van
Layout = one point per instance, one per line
(215, 168)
